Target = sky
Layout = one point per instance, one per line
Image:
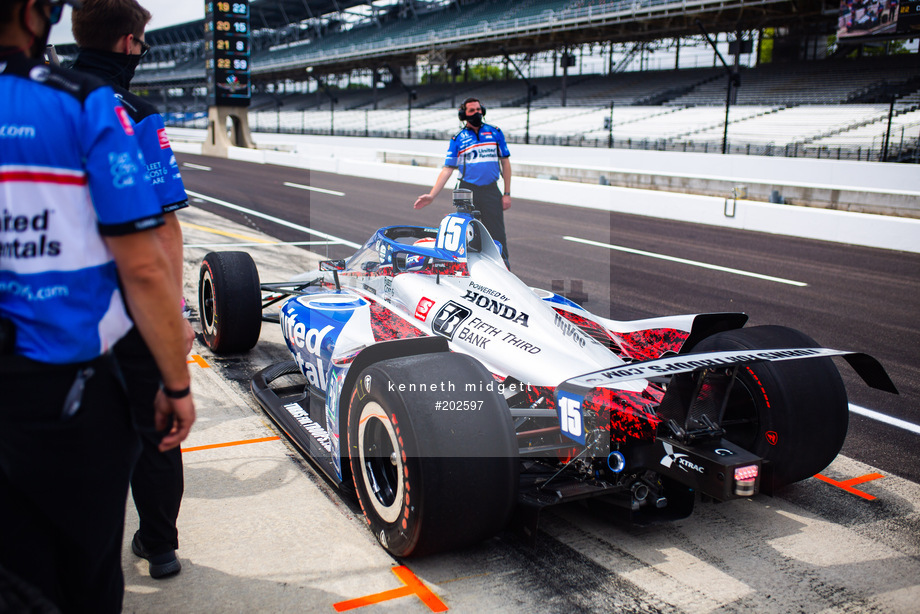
(165, 13)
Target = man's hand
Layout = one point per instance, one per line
(189, 337)
(182, 412)
(506, 202)
(423, 201)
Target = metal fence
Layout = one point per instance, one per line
(903, 145)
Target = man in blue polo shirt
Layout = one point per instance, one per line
(110, 34)
(481, 154)
(72, 256)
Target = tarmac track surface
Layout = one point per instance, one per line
(857, 298)
(814, 547)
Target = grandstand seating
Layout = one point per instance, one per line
(822, 82)
(904, 127)
(805, 130)
(803, 106)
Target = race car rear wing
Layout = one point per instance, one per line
(867, 367)
(690, 414)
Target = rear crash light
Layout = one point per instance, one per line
(745, 480)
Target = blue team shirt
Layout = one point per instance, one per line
(69, 163)
(477, 155)
(162, 167)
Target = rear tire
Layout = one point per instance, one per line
(793, 413)
(431, 480)
(229, 302)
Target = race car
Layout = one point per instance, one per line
(448, 397)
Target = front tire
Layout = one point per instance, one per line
(229, 302)
(429, 479)
(792, 413)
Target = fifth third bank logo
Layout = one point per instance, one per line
(449, 318)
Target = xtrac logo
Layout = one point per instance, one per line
(681, 460)
(449, 318)
(306, 341)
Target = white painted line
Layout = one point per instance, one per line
(703, 265)
(274, 219)
(874, 415)
(196, 166)
(209, 245)
(312, 189)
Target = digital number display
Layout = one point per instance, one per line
(909, 16)
(873, 18)
(227, 50)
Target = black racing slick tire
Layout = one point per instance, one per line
(792, 413)
(434, 470)
(229, 302)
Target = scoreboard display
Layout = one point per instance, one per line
(869, 18)
(909, 16)
(227, 52)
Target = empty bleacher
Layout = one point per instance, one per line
(818, 82)
(803, 108)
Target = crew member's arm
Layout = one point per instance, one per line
(114, 174)
(152, 297)
(506, 176)
(425, 199)
(170, 191)
(170, 237)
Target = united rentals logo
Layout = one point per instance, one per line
(500, 309)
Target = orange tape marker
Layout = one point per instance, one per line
(198, 360)
(412, 586)
(848, 485)
(229, 443)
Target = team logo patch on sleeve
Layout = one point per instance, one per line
(164, 140)
(125, 120)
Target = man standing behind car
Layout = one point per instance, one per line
(71, 257)
(480, 151)
(110, 34)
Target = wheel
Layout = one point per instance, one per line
(431, 480)
(793, 413)
(230, 302)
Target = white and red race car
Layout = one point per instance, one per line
(448, 396)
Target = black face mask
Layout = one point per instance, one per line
(116, 67)
(475, 119)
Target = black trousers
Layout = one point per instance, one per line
(64, 481)
(487, 199)
(157, 483)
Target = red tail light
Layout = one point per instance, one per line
(745, 479)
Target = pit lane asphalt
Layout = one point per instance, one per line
(857, 298)
(260, 531)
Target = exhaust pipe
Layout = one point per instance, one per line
(639, 491)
